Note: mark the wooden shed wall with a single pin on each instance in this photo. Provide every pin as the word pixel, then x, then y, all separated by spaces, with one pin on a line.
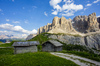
pixel 58 48
pixel 50 47
pixel 18 50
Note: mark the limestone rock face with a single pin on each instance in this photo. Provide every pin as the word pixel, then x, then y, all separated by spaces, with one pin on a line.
pixel 44 28
pixel 55 21
pixel 86 24
pixel 59 25
pixel 80 24
pixel 91 41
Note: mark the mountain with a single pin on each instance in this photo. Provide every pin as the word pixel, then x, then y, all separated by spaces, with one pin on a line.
pixel 30 36
pixel 80 24
pixel 7 36
pixel 86 24
pixel 59 25
pixel 82 30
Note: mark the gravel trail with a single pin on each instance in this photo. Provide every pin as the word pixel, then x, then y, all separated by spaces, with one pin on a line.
pixel 77 59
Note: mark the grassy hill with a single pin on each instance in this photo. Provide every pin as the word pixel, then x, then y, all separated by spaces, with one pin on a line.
pixel 41 37
pixel 7 58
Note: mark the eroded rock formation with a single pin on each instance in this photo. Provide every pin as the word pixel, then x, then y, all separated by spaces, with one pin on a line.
pixel 82 24
pixel 59 25
pixel 86 24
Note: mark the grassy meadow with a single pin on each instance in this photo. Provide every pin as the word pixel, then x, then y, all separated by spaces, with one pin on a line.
pixel 7 58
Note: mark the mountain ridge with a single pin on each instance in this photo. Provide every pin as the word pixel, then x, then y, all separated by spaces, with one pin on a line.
pixel 84 24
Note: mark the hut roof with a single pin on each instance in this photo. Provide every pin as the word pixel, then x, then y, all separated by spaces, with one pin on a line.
pixel 55 43
pixel 28 43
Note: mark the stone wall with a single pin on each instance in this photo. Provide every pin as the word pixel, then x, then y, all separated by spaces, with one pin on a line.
pixel 23 49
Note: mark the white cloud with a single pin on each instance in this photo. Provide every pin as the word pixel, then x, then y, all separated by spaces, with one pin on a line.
pixel 16 29
pixel 72 6
pixel 24 35
pixel 7 20
pixel 15 35
pixel 69 6
pixel 54 12
pixel 45 14
pixel 96 1
pixel 54 2
pixel 3 31
pixel 68 14
pixel 98 16
pixel 88 4
pixel 85 9
pixel 58 8
pixel 15 22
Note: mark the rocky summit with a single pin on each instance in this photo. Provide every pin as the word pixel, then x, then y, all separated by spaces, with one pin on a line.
pixel 86 24
pixel 59 25
pixel 80 24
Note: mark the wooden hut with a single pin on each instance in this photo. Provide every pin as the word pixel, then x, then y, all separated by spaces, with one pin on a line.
pixel 52 45
pixel 23 47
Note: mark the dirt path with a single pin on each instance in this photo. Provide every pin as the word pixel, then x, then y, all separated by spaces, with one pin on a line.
pixel 77 59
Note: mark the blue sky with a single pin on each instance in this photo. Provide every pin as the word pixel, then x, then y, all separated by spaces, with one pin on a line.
pixel 24 17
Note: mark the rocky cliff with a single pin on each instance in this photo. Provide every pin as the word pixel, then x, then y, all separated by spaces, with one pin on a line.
pixel 59 25
pixel 86 24
pixel 91 41
pixel 82 24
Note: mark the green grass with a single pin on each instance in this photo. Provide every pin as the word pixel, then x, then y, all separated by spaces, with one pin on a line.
pixel 6 45
pixel 31 59
pixel 6 51
pixel 91 56
pixel 1 42
pixel 43 37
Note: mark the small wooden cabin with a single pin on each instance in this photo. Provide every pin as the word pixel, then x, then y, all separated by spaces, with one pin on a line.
pixel 23 47
pixel 52 45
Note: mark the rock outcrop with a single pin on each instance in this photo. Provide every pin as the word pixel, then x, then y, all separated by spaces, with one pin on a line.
pixel 91 41
pixel 86 24
pixel 82 24
pixel 59 25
